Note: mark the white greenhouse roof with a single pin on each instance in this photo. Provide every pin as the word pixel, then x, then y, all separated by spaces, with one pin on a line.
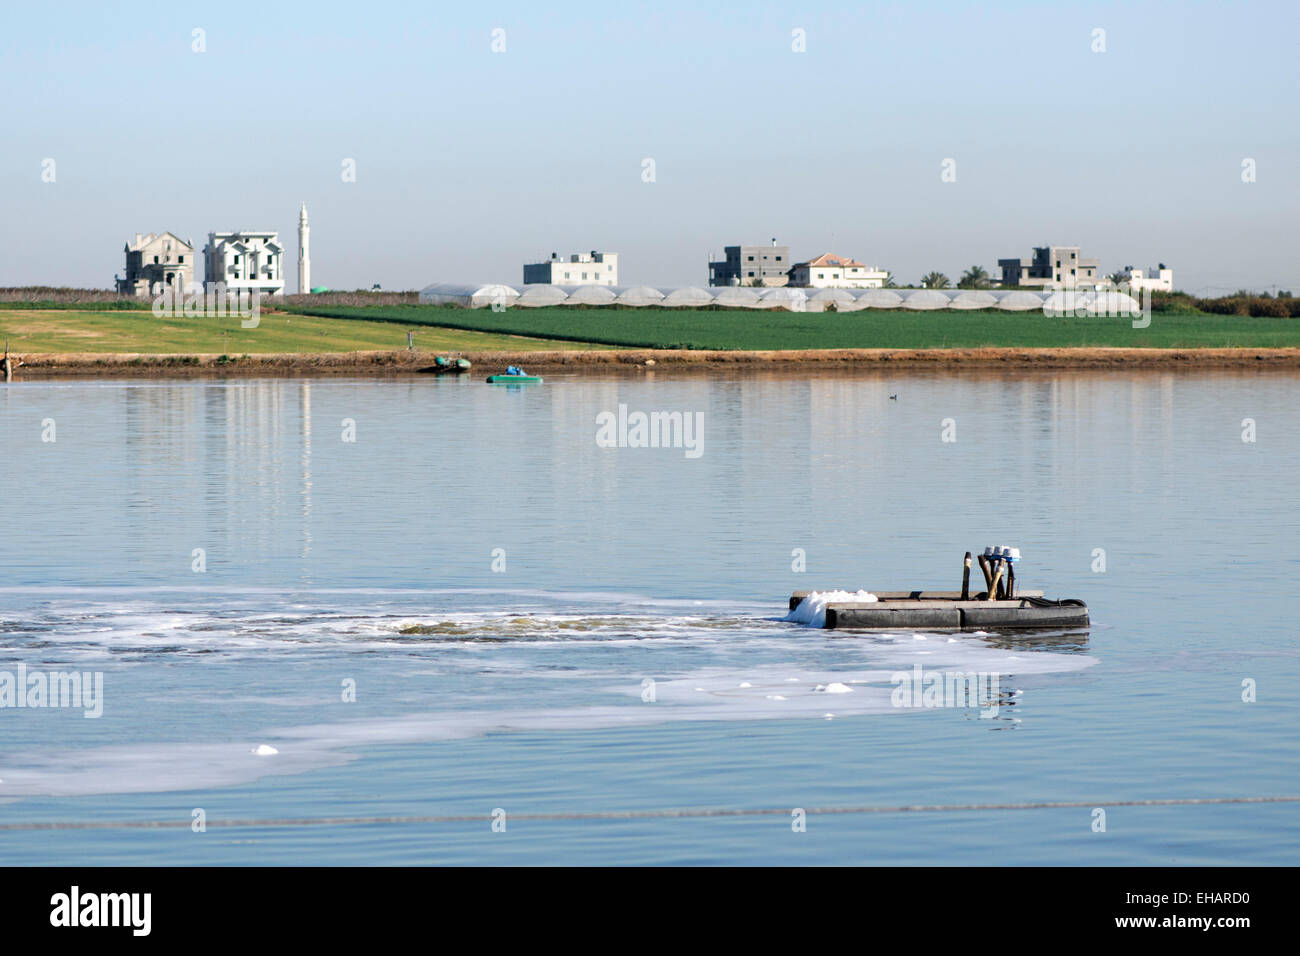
pixel 481 295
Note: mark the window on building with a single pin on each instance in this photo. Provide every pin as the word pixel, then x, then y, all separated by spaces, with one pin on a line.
pixel 155 260
pixel 180 258
pixel 778 258
pixel 751 258
pixel 751 275
pixel 584 275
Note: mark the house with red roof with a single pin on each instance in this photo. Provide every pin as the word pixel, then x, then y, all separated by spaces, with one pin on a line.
pixel 830 271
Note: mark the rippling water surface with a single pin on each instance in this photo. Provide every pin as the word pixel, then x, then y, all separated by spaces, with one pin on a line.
pixel 473 606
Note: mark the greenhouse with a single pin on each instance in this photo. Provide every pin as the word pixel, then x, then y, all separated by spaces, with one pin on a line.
pixel 690 297
pixel 736 297
pixel 588 294
pixel 638 296
pixel 539 295
pixel 843 300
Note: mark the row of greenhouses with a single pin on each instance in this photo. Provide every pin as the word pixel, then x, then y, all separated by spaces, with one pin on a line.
pixel 501 295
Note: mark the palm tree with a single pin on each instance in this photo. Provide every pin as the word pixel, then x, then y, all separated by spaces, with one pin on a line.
pixel 934 280
pixel 976 277
pixel 889 281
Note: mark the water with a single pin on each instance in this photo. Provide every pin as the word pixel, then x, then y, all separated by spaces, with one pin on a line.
pixel 369 564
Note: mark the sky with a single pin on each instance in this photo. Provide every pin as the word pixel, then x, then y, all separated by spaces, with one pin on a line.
pixel 470 161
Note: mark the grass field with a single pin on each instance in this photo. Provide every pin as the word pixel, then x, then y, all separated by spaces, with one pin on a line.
pixel 745 329
pixel 445 329
pixel 65 331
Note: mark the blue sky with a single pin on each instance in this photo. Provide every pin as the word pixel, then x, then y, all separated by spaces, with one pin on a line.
pixel 470 162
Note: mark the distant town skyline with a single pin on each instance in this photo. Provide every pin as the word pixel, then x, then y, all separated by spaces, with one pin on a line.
pixel 450 144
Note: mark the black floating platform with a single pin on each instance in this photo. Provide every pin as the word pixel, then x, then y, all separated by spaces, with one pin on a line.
pixel 945 610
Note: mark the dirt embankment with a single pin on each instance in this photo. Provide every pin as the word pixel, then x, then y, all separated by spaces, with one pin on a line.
pixel 641 360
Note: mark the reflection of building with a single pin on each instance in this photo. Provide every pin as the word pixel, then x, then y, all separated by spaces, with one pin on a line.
pixel 836 272
pixel 245 260
pixel 1050 265
pixel 751 265
pixel 594 268
pixel 1159 279
pixel 154 262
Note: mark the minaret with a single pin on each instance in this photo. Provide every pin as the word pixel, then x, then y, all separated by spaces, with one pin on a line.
pixel 304 257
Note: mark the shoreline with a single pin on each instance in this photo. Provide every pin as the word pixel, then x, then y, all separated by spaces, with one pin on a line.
pixel 633 361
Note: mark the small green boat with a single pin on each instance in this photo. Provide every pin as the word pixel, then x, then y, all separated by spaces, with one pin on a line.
pixel 514 376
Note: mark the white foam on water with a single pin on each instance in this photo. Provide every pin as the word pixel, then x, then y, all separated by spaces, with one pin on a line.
pixel 712 694
pixel 473 663
pixel 811 611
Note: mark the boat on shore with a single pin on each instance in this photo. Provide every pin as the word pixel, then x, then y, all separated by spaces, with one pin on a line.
pixel 443 364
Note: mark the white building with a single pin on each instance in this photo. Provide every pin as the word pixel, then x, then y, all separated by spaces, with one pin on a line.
pixel 156 261
pixel 245 261
pixel 1159 279
pixel 836 272
pixel 582 268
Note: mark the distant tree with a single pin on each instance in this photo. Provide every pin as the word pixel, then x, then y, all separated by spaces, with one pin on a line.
pixel 759 283
pixel 1117 278
pixel 976 277
pixel 934 280
pixel 889 281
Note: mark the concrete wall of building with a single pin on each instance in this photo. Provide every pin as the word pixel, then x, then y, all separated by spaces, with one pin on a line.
pixel 597 268
pixel 154 262
pixel 1051 265
pixel 1157 280
pixel 837 277
pixel 245 260
pixel 744 265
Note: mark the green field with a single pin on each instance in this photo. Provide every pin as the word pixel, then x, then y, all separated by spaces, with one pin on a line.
pixel 745 329
pixel 64 331
pixel 446 329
